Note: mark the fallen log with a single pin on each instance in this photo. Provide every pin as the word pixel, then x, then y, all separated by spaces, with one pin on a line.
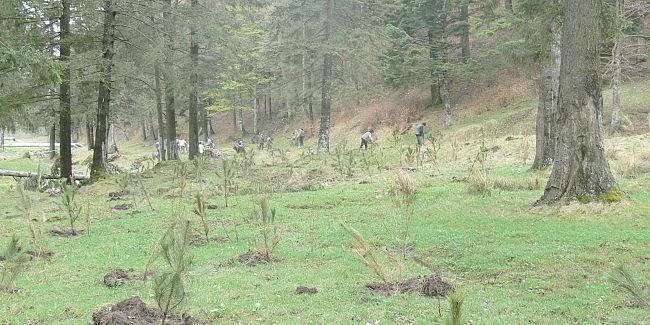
pixel 15 173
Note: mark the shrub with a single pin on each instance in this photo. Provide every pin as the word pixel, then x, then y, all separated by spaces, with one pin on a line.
pixel 478 174
pixel 613 196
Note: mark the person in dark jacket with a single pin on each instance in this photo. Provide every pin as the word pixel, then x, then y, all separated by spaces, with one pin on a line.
pixel 419 133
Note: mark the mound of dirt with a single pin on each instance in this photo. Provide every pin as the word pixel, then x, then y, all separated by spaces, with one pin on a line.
pixel 123 207
pixel 134 311
pixel 118 277
pixel 212 207
pixel 253 258
pixel 114 196
pixel 431 286
pixel 46 255
pixel 65 232
pixel 306 290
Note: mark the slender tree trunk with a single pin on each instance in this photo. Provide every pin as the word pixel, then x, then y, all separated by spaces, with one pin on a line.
pixel 310 97
pixel 580 169
pixel 205 121
pixel 326 99
pixel 170 96
pixel 270 109
pixel 255 109
pixel 508 5
pixel 445 95
pixel 90 138
pixel 2 139
pixel 99 166
pixel 159 112
pixel 194 85
pixel 65 120
pixel 53 140
pixel 547 108
pixel 303 71
pixel 144 130
pixel 464 32
pixel 617 57
pixel 234 119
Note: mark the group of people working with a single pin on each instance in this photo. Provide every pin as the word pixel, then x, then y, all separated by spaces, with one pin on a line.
pixel 265 141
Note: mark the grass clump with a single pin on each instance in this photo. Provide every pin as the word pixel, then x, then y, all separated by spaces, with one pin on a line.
pixel 624 280
pixel 387 271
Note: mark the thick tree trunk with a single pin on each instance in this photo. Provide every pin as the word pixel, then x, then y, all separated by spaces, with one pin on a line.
pixel 445 95
pixel 99 166
pixel 547 108
pixel 580 169
pixel 65 120
pixel 464 32
pixel 194 91
pixel 170 96
pixel 617 57
pixel 326 99
pixel 433 56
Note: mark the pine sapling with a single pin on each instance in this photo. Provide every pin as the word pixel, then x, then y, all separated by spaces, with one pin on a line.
pixel 268 229
pixel 173 247
pixel 70 205
pixel 200 211
pixel 12 263
pixel 227 176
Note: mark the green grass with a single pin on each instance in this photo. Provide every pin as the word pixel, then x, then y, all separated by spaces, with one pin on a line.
pixel 517 264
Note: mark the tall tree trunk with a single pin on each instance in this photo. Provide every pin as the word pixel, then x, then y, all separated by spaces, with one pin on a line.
pixel 53 140
pixel 2 139
pixel 433 56
pixel 580 168
pixel 234 119
pixel 326 99
pixel 170 96
pixel 159 112
pixel 464 32
pixel 194 85
pixel 99 166
pixel 204 121
pixel 90 137
pixel 445 95
pixel 303 70
pixel 255 109
pixel 617 57
pixel 65 120
pixel 270 109
pixel 547 108
pixel 310 97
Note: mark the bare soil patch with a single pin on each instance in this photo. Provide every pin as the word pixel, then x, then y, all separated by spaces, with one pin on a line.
pixel 199 240
pixel 118 277
pixel 306 290
pixel 65 232
pixel 431 286
pixel 134 311
pixel 253 258
pixel 44 254
pixel 115 196
pixel 123 207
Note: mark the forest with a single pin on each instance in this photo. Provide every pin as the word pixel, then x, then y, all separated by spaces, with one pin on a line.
pixel 324 161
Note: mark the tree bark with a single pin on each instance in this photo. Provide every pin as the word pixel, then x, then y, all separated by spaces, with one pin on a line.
pixel 326 99
pixel 99 166
pixel 170 110
pixel 255 109
pixel 90 135
pixel 617 57
pixel 547 108
pixel 53 140
pixel 445 95
pixel 159 112
pixel 580 169
pixel 65 120
pixel 464 32
pixel 433 56
pixel 194 85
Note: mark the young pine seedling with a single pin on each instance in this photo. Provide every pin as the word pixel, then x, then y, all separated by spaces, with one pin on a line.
pixel 11 264
pixel 70 206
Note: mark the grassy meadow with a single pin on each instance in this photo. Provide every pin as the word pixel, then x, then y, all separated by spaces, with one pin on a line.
pixel 472 221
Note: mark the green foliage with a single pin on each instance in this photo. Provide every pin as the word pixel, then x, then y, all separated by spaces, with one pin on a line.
pixel 173 247
pixel 268 228
pixel 613 196
pixel 227 175
pixel 69 204
pixel 200 211
pixel 456 300
pixel 13 262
